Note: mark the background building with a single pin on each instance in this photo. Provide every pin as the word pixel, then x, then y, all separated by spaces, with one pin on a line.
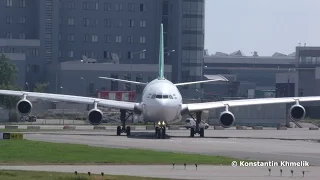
pixel 69 29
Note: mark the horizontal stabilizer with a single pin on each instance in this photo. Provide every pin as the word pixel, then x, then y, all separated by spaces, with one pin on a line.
pixel 122 80
pixel 216 78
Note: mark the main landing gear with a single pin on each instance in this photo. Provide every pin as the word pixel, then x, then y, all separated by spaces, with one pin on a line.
pixel 160 130
pixel 123 118
pixel 197 129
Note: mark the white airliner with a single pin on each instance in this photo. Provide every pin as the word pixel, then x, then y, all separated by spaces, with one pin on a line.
pixel 161 103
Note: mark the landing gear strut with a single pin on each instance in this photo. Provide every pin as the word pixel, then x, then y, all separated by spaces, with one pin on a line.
pixel 123 118
pixel 160 130
pixel 197 129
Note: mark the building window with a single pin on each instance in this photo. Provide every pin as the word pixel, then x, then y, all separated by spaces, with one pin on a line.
pixel 84 5
pixel 97 6
pixel 119 54
pixel 70 54
pixel 9 3
pixel 107 6
pixel 142 55
pixel 34 52
pixel 131 23
pixel 107 38
pixel 59 36
pixel 118 39
pixel 119 7
pixel 139 88
pixel 22 3
pixel 130 39
pixel 22 20
pixel 94 54
pixel 143 23
pixel 119 23
pixel 130 7
pixel 107 23
pixel 143 7
pixel 130 55
pixel 9 35
pixel 86 22
pixel 94 38
pixel 71 21
pixel 106 55
pixel 9 19
pixel 127 86
pixel 71 5
pixel 22 35
pixel 35 68
pixel 91 87
pixel 142 39
pixel 86 37
pixel 71 37
pixel 60 53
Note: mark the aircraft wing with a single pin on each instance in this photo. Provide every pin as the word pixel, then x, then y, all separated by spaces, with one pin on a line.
pixel 75 99
pixel 215 78
pixel 122 80
pixel 193 107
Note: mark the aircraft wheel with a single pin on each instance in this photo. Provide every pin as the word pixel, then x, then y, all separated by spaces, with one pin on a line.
pixel 158 133
pixel 163 133
pixel 191 132
pixel 201 132
pixel 118 130
pixel 128 130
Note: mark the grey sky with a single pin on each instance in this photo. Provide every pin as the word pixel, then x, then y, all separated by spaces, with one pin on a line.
pixel 265 26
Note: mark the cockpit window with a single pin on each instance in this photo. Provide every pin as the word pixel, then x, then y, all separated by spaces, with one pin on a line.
pixel 170 97
pixel 159 96
pixel 165 96
pixel 153 96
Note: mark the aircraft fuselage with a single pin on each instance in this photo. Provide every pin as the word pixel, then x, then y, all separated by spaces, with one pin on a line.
pixel 161 101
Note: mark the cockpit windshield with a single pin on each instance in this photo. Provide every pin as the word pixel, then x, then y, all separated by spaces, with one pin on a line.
pixel 158 96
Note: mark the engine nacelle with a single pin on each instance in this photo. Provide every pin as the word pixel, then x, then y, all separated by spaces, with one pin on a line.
pixel 226 119
pixel 297 112
pixel 24 107
pixel 95 116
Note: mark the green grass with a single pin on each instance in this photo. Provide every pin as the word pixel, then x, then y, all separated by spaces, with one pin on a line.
pixel 35 152
pixel 32 175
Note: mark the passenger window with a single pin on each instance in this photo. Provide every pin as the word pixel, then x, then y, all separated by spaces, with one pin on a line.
pixel 165 96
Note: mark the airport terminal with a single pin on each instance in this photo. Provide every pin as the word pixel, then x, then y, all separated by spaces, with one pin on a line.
pixel 76 46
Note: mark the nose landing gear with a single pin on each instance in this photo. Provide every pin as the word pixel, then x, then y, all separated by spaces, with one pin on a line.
pixel 160 130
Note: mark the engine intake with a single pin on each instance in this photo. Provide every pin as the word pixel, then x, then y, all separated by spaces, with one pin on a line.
pixel 297 112
pixel 95 116
pixel 226 119
pixel 24 107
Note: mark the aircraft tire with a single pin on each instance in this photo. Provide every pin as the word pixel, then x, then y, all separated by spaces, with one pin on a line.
pixel 118 130
pixel 201 132
pixel 128 130
pixel 192 132
pixel 163 133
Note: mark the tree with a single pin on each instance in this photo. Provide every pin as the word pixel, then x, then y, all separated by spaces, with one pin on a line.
pixel 8 75
pixel 40 87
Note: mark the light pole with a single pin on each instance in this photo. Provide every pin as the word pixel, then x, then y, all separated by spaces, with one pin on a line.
pixel 169 52
pixel 84 82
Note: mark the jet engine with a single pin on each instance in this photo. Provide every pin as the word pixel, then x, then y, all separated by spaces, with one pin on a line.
pixel 226 119
pixel 95 116
pixel 297 112
pixel 24 107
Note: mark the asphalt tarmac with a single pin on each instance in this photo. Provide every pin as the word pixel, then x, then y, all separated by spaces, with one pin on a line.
pixel 202 172
pixel 290 145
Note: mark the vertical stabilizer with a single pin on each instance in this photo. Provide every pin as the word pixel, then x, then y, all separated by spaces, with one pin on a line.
pixel 161 55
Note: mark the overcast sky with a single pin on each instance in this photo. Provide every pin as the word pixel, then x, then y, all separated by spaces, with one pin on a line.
pixel 265 26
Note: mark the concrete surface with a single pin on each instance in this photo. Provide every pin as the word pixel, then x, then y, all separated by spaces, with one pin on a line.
pixel 203 172
pixel 216 143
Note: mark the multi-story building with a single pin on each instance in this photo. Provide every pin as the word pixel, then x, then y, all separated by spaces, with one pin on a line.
pixel 70 29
